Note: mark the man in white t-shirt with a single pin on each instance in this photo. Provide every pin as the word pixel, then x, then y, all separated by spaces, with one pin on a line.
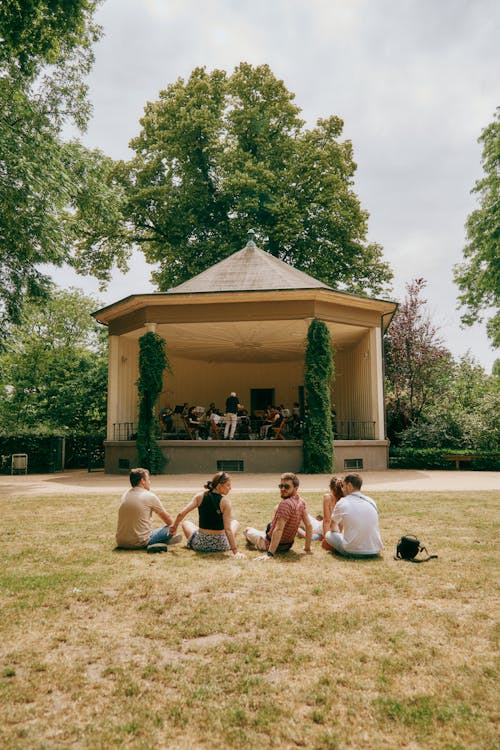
pixel 355 529
pixel 137 505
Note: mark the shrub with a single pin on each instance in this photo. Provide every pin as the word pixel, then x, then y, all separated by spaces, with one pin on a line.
pixel 48 453
pixel 433 458
pixel 318 375
pixel 152 363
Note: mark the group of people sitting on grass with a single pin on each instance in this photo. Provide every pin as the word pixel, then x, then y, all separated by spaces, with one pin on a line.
pixel 348 525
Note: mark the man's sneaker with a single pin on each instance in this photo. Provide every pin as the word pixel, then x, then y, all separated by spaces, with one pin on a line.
pixel 158 547
pixel 174 540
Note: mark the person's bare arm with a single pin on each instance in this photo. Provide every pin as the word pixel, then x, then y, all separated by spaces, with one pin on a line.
pixel 275 540
pixel 327 513
pixel 226 517
pixel 308 527
pixel 277 534
pixel 165 516
pixel 184 512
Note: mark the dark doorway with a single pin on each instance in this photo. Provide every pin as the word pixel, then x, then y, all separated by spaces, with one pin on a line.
pixel 260 399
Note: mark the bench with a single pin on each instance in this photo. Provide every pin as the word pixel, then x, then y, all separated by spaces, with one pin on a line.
pixel 457 457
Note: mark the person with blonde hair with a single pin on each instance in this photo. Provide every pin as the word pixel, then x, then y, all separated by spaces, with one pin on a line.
pixel 321 524
pixel 217 530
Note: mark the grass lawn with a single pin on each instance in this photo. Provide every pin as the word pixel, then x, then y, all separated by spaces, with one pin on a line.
pixel 107 649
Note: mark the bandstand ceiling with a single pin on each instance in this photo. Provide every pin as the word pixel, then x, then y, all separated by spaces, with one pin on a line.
pixel 247 341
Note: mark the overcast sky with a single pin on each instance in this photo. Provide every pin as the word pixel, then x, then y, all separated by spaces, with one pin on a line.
pixel 415 82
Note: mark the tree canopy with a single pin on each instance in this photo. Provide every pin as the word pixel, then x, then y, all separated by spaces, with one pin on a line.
pixel 51 191
pixel 53 371
pixel 478 277
pixel 219 154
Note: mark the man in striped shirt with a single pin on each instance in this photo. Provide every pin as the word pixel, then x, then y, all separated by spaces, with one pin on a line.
pixel 281 532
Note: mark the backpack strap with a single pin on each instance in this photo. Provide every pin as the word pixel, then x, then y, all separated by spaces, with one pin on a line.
pixel 423 559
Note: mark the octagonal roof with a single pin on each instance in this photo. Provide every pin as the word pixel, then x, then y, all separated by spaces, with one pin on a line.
pixel 248 270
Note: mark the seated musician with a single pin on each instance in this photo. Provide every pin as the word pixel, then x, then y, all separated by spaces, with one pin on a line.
pixel 166 417
pixel 195 423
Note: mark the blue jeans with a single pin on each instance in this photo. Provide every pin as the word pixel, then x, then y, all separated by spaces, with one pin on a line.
pixel 160 535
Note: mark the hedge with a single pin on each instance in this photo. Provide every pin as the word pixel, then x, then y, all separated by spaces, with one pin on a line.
pixel 433 458
pixel 45 452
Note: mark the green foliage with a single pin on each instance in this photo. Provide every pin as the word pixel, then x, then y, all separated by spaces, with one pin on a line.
pixel 462 415
pixel 218 154
pixel 53 370
pixel 433 459
pixel 318 375
pixel 478 277
pixel 45 451
pixel 37 32
pixel 433 401
pixel 45 54
pixel 152 363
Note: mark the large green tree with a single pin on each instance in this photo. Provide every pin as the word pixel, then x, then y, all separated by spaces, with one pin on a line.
pixel 218 154
pixel 478 277
pixel 54 196
pixel 53 370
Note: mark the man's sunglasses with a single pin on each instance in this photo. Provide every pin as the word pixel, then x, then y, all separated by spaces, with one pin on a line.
pixel 285 486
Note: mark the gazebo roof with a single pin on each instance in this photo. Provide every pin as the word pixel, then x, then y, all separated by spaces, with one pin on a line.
pixel 247 306
pixel 248 270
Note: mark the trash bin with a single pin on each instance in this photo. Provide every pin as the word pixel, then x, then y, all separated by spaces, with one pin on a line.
pixel 19 463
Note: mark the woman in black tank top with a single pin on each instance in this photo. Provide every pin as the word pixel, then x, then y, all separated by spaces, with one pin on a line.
pixel 216 531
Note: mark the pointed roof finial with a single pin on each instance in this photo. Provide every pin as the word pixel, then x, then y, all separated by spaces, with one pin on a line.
pixel 251 237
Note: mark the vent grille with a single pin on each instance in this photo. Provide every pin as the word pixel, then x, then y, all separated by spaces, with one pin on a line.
pixel 230 466
pixel 353 463
pixel 123 463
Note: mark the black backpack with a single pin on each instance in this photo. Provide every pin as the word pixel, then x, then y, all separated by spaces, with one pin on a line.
pixel 409 547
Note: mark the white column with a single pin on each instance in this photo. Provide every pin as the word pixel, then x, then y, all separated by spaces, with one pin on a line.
pixel 113 379
pixel 377 382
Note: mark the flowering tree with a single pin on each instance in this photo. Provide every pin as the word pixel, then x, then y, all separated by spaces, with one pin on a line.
pixel 416 362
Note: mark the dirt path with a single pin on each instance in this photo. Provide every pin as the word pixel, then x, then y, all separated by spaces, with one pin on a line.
pixel 77 482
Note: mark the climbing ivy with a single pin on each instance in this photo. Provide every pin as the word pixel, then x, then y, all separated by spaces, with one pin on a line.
pixel 153 361
pixel 318 376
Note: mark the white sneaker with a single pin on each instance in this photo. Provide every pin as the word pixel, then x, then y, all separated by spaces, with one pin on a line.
pixel 174 540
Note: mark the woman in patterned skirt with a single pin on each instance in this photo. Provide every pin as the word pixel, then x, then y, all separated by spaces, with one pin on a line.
pixel 216 531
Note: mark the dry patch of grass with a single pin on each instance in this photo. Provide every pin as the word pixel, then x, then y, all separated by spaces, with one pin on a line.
pixel 104 649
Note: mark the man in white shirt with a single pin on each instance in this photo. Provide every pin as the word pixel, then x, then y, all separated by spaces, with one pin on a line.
pixel 134 530
pixel 355 529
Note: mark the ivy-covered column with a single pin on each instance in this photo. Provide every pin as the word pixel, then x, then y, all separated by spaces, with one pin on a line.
pixel 152 363
pixel 318 376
